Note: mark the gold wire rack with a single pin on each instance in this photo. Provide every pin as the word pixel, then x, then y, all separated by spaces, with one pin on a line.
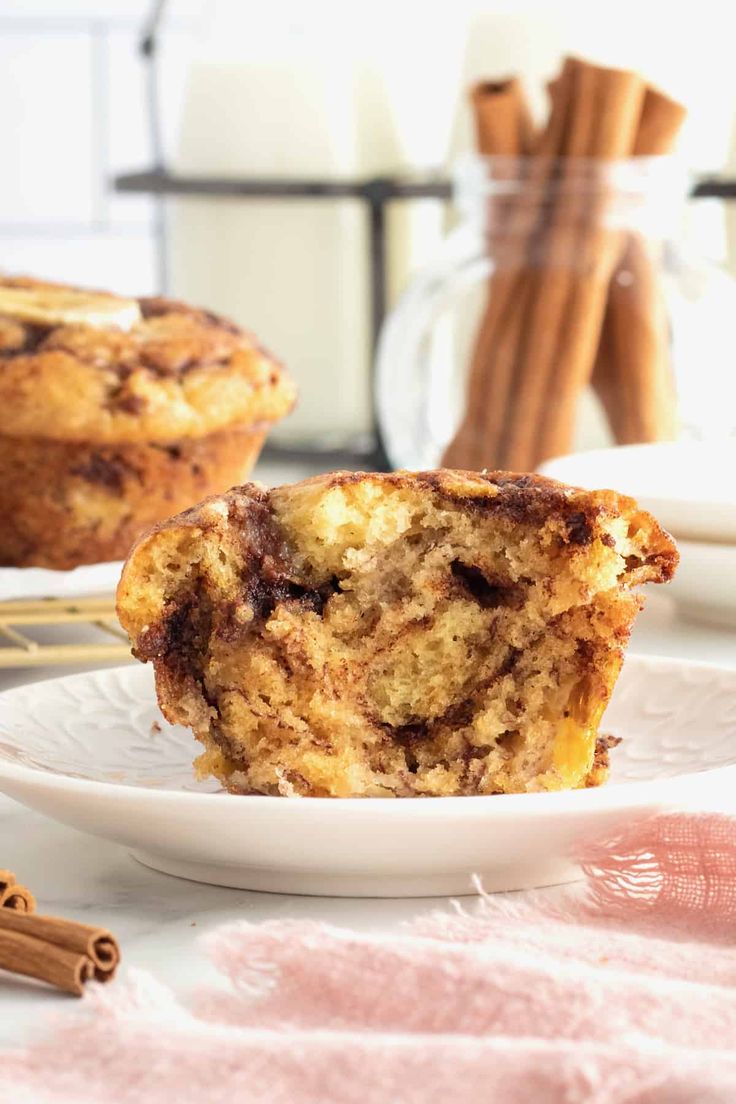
pixel 20 621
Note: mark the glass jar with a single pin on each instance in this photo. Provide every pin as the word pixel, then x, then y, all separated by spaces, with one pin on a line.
pixel 562 313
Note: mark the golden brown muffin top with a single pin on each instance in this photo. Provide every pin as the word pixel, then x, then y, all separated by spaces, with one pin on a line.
pixel 253 516
pixel 521 498
pixel 79 365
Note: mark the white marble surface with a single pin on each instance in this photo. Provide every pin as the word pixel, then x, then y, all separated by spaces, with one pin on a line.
pixel 158 918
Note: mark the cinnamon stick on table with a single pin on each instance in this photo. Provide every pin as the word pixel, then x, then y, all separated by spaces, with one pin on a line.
pixel 570 286
pixel 13 895
pixel 61 952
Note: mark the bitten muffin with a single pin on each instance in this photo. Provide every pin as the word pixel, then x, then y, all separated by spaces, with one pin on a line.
pixel 115 413
pixel 394 635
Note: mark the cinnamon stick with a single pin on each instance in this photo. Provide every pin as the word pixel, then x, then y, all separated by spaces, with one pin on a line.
pixel 96 944
pixel 503 128
pixel 555 254
pixel 503 122
pixel 565 318
pixel 13 895
pixel 529 226
pixel 659 125
pixel 503 332
pixel 632 374
pixel 64 969
pixel 61 952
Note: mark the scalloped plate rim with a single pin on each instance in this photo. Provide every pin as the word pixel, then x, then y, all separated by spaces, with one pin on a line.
pixel 612 794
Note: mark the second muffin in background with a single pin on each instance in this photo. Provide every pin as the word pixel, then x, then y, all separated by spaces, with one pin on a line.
pixel 116 413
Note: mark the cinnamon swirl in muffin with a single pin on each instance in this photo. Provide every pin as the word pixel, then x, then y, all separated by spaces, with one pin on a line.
pixel 409 634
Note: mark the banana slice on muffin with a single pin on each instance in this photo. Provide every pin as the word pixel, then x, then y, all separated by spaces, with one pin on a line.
pixel 54 305
pixel 399 634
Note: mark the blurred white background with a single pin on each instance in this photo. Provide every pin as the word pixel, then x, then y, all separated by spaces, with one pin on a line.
pixel 348 88
pixel 72 114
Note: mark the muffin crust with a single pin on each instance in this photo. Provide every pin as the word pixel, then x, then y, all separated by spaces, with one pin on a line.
pixel 181 372
pixel 105 429
pixel 90 501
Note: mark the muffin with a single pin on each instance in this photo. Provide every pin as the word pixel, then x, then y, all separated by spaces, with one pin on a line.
pixel 426 633
pixel 115 413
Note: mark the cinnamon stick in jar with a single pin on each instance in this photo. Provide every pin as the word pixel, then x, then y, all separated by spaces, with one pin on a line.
pixel 570 286
pixel 530 216
pixel 503 130
pixel 503 122
pixel 633 376
pixel 557 317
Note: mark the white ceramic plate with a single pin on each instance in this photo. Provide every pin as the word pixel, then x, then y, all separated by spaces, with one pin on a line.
pixel 688 486
pixel 704 585
pixel 86 750
pixel 38 582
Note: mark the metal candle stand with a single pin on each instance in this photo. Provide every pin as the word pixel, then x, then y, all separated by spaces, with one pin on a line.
pixel 374 192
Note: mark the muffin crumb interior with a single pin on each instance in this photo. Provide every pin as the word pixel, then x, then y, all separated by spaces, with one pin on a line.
pixel 400 635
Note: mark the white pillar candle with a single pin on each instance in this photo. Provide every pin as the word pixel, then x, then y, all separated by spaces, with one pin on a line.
pixel 325 93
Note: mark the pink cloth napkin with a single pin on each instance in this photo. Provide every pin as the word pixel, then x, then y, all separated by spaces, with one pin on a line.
pixel 623 994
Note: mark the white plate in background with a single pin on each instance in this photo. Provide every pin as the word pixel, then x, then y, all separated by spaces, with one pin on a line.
pixel 39 582
pixel 92 751
pixel 690 487
pixel 704 585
